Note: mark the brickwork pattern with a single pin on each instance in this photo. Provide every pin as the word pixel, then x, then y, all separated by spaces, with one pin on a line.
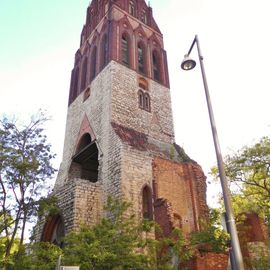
pixel 175 182
pixel 212 261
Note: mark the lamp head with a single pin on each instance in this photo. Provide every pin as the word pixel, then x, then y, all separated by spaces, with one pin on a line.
pixel 188 63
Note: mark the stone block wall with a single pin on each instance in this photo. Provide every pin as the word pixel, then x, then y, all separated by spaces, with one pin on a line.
pixel 86 199
pixel 158 123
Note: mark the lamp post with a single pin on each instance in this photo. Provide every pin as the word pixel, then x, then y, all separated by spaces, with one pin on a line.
pixel 189 64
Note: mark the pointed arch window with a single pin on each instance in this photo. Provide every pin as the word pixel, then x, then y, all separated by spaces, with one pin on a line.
pixel 156 65
pixel 54 231
pixel 141 58
pixel 141 99
pixel 147 102
pixel 144 17
pixel 104 51
pixel 84 73
pixel 144 101
pixel 147 206
pixel 131 8
pixel 93 70
pixel 125 49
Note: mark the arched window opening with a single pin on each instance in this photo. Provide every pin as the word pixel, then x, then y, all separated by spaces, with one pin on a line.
pixel 144 101
pixel 131 8
pixel 147 207
pixel 104 51
pixel 144 17
pixel 54 231
pixel 147 102
pixel 93 70
pixel 141 58
pixel 125 49
pixel 141 99
pixel 86 160
pixel 84 141
pixel 156 66
pixel 84 73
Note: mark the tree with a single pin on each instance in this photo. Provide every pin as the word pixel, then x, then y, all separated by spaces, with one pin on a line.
pixel 248 172
pixel 212 238
pixel 25 167
pixel 119 242
pixel 37 256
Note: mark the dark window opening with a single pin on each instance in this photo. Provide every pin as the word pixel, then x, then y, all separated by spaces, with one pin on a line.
pixel 144 101
pixel 75 84
pixel 104 51
pixel 131 8
pixel 125 49
pixel 84 73
pixel 147 208
pixel 147 102
pixel 141 60
pixel 93 70
pixel 86 160
pixel 141 99
pixel 85 140
pixel 144 17
pixel 156 67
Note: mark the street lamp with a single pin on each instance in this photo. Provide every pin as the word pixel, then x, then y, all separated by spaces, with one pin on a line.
pixel 189 64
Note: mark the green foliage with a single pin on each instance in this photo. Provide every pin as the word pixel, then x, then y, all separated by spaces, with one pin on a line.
pixel 112 244
pixel 25 167
pixel 248 172
pixel 212 238
pixel 262 258
pixel 262 263
pixel 4 260
pixel 37 256
pixel 118 242
pixel 172 249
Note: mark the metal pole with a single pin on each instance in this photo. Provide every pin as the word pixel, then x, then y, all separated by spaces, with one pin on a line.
pixel 224 183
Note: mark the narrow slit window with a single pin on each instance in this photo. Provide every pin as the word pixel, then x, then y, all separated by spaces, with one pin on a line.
pixel 93 63
pixel 141 62
pixel 144 17
pixel 75 83
pixel 141 99
pixel 156 67
pixel 147 102
pixel 104 51
pixel 125 49
pixel 147 210
pixel 131 8
pixel 84 73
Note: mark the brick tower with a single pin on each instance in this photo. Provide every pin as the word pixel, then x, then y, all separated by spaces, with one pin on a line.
pixel 119 132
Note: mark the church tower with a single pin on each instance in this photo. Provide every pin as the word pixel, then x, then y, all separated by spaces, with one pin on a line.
pixel 119 136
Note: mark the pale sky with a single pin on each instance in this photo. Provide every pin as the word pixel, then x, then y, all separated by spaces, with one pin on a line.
pixel 38 40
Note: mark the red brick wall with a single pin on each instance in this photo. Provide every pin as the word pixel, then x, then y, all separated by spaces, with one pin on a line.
pixel 163 214
pixel 178 184
pixel 212 261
